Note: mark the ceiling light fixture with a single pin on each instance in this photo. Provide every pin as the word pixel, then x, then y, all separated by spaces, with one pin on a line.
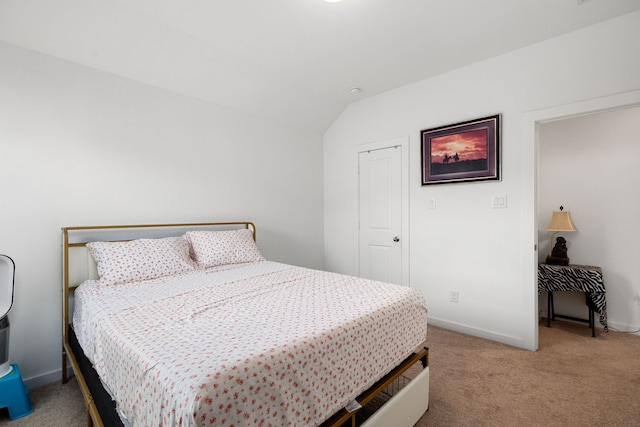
pixel 354 90
pixel 332 1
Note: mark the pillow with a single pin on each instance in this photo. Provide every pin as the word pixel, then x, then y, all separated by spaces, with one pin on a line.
pixel 142 259
pixel 213 248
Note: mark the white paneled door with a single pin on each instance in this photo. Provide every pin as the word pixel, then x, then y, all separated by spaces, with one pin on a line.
pixel 380 214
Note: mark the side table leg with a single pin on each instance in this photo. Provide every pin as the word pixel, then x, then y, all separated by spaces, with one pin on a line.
pixel 592 316
pixel 549 307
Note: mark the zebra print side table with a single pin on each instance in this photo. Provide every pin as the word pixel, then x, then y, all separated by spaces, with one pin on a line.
pixel 582 278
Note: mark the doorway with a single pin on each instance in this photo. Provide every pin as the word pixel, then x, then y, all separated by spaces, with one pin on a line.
pixel 588 164
pixel 529 173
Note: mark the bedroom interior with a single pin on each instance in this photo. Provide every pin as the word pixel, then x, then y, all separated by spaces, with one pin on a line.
pixel 131 113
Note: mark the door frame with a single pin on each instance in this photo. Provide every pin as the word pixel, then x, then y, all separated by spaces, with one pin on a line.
pixel 530 123
pixel 403 143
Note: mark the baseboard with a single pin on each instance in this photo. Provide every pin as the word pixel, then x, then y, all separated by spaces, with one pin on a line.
pixel 478 332
pixel 45 379
pixel 623 327
pixel 613 326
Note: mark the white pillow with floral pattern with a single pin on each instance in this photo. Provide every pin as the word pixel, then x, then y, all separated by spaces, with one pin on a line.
pixel 213 248
pixel 141 259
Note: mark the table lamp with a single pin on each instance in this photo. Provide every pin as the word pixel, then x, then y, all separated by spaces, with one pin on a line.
pixel 560 221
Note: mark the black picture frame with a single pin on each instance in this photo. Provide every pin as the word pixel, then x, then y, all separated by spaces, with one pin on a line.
pixel 462 152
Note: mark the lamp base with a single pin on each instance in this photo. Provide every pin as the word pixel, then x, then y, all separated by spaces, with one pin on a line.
pixel 554 260
pixel 558 255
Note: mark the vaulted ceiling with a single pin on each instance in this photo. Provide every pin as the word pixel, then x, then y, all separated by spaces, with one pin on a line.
pixel 292 61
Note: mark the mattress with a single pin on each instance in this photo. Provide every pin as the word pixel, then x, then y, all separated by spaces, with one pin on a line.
pixel 259 343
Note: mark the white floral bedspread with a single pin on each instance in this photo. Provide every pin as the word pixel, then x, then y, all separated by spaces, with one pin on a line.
pixel 255 344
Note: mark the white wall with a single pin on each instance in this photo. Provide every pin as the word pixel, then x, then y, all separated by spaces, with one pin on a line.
pixel 486 254
pixel 82 147
pixel 589 164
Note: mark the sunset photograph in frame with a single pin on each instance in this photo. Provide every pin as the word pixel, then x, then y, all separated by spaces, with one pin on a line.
pixel 462 152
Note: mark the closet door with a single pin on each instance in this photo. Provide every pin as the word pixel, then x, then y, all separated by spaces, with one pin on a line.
pixel 380 214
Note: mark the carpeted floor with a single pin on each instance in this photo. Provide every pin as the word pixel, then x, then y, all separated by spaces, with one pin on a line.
pixel 573 380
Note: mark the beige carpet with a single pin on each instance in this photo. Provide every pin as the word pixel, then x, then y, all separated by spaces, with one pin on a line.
pixel 573 380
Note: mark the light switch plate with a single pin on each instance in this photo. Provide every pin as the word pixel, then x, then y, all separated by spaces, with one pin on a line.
pixel 499 201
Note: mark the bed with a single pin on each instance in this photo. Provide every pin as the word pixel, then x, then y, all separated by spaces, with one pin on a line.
pixel 188 324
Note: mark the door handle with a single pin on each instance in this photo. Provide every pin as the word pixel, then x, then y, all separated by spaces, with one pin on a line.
pixel 396 239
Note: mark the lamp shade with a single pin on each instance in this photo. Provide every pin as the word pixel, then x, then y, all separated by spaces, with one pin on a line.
pixel 561 221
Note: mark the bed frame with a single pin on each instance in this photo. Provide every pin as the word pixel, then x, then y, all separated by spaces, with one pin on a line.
pixel 405 401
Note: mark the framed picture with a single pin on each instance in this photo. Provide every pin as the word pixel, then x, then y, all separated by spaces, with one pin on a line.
pixel 462 152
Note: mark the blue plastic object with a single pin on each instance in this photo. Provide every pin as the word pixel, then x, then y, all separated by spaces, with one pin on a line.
pixel 14 395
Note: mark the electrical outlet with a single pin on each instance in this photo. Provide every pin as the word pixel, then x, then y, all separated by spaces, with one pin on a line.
pixel 638 298
pixel 453 296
